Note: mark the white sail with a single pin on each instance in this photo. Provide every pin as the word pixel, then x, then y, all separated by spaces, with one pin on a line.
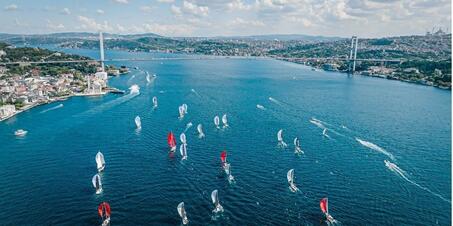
pixel 97 183
pixel 200 131
pixel 225 120
pixel 215 197
pixel 181 111
pixel 183 151
pixel 216 121
pixel 290 176
pixel 279 135
pixel 138 122
pixel 155 102
pixel 296 142
pixel 182 213
pixel 100 162
pixel 182 137
pixel 215 200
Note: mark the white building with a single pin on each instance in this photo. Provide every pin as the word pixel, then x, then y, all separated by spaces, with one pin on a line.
pixel 7 110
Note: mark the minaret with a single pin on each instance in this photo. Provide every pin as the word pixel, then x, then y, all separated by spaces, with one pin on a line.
pixel 101 48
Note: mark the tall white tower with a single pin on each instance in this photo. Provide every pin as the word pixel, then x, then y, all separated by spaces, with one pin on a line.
pixel 101 49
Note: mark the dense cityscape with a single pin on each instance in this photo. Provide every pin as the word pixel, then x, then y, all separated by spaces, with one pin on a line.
pixel 25 86
pixel 423 60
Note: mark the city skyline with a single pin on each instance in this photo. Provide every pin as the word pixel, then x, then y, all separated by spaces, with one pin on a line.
pixel 369 18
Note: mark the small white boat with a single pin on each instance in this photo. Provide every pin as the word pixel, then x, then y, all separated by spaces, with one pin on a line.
pixel 138 122
pixel 200 131
pixel 134 89
pixel 290 177
pixel 217 121
pixel 100 162
pixel 182 213
pixel 215 200
pixel 183 151
pixel 97 183
pixel 225 120
pixel 20 132
pixel 155 102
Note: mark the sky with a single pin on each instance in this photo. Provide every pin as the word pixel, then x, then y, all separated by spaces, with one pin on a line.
pixel 343 18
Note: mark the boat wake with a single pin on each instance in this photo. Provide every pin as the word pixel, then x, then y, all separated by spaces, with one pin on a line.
pixel 133 93
pixel 188 126
pixel 261 107
pixel 52 108
pixel 195 92
pixel 275 101
pixel 318 123
pixel 375 147
pixel 401 173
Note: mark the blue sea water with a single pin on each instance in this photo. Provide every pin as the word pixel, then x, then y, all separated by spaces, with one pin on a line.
pixel 45 177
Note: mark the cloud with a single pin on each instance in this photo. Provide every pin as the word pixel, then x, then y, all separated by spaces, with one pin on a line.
pixel 100 11
pixel 146 9
pixel 175 10
pixel 65 11
pixel 121 1
pixel 238 5
pixel 91 24
pixel 165 1
pixel 239 22
pixel 54 26
pixel 190 8
pixel 11 7
pixel 120 28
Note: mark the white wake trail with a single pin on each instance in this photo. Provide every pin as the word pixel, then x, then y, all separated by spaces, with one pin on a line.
pixel 375 147
pixel 398 171
pixel 52 108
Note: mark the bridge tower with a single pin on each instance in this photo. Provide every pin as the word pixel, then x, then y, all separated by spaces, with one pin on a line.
pixel 101 49
pixel 353 54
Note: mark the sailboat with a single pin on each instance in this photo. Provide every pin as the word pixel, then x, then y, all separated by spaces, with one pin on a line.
pixel 226 166
pixel 181 112
pixel 184 106
pixel 148 78
pixel 182 137
pixel 182 213
pixel 324 205
pixel 97 183
pixel 217 121
pixel 215 200
pixel 154 102
pixel 138 122
pixel 297 148
pixel 171 141
pixel 225 121
pixel 183 151
pixel 104 212
pixel 200 131
pixel 280 138
pixel 290 177
pixel 100 162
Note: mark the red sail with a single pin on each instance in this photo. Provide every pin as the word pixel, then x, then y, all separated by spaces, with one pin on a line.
pixel 104 209
pixel 323 205
pixel 223 156
pixel 171 140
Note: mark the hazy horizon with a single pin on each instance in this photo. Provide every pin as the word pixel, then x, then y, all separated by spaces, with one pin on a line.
pixel 203 18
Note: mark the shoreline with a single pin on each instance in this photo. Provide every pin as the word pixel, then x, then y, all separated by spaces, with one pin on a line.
pixel 382 76
pixel 62 98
